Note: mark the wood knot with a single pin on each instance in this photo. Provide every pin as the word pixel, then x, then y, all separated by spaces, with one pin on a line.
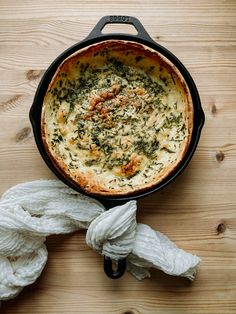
pixel 10 104
pixel 23 134
pixel 128 312
pixel 213 109
pixel 221 228
pixel 33 74
pixel 220 156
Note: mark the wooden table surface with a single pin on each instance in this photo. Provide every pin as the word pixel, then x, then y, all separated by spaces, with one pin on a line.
pixel 197 210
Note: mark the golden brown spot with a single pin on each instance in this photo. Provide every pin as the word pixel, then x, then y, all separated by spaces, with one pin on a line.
pixel 72 141
pixel 23 134
pixel 87 116
pixel 131 168
pixel 104 112
pixel 221 228
pixel 33 74
pixel 220 156
pixel 122 100
pixel 10 104
pixel 140 91
pixel 94 151
pixel 96 101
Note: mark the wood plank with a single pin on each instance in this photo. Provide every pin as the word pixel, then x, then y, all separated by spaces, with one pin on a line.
pixel 197 210
pixel 66 31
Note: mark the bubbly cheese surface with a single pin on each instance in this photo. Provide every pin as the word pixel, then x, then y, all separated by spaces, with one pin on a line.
pixel 116 119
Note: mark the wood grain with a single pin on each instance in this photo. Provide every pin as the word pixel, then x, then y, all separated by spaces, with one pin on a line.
pixel 197 210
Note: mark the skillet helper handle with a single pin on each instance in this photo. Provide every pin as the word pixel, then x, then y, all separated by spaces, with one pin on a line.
pixel 119 19
pixel 108 264
pixel 114 273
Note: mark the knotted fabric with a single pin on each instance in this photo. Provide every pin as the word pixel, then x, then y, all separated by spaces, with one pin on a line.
pixel 30 212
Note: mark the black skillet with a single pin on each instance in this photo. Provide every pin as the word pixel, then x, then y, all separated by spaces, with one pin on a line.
pixel 97 36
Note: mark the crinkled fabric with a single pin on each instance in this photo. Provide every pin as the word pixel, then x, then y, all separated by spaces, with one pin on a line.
pixel 30 212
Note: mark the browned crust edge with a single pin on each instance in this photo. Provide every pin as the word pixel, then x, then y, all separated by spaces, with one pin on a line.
pixel 82 180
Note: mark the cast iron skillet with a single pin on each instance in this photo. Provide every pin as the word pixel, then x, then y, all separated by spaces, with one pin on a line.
pixel 97 36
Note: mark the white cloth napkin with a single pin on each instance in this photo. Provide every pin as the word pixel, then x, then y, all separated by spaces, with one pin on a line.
pixel 29 212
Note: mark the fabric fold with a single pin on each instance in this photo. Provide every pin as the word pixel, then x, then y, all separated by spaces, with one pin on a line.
pixel 29 212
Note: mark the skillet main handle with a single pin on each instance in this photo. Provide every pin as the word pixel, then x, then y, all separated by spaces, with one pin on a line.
pixel 119 19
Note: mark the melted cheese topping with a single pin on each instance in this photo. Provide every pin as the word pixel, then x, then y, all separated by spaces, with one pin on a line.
pixel 116 118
